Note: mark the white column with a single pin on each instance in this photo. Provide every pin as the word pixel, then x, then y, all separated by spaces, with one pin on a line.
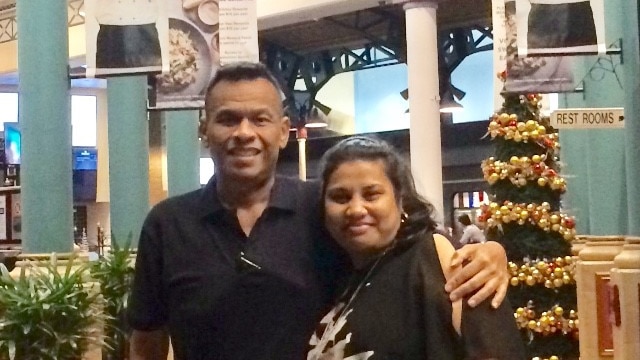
pixel 424 101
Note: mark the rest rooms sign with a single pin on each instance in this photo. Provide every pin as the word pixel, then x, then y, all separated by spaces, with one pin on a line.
pixel 605 118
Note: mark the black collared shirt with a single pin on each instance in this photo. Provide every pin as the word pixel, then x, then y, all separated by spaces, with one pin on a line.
pixel 225 295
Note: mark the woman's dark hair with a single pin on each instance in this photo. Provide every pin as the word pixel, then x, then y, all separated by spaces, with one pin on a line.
pixel 464 219
pixel 355 148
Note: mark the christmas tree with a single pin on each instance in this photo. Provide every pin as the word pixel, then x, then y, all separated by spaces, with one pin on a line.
pixel 525 217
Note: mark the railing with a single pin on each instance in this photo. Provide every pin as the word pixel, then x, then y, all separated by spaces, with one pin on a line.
pixel 9 23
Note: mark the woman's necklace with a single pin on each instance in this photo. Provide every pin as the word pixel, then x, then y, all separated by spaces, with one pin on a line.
pixel 340 320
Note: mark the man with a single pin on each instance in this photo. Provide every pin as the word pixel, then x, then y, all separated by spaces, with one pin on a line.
pixel 242 269
pixel 471 234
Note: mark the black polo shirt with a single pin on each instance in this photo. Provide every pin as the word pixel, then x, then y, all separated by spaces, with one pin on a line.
pixel 225 295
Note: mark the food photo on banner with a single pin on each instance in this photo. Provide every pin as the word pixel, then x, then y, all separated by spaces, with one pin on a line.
pixel 539 74
pixel 560 27
pixel 193 44
pixel 126 37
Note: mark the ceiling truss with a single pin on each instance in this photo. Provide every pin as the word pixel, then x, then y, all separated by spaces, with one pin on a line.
pixel 384 44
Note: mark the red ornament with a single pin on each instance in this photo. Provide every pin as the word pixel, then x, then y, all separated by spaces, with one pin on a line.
pixel 551 173
pixel 531 97
pixel 537 168
pixel 569 223
pixel 513 123
pixel 535 215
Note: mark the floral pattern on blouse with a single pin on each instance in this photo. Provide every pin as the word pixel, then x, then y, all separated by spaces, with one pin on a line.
pixel 330 343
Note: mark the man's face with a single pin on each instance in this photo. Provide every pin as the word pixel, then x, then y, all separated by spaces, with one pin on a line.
pixel 245 129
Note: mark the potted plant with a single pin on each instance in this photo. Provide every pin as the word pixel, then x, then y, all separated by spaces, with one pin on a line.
pixel 48 312
pixel 114 273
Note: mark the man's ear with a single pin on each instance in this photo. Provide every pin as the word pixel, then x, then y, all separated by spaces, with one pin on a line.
pixel 284 131
pixel 202 131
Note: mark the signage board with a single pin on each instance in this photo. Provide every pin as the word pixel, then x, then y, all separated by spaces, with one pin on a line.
pixel 602 118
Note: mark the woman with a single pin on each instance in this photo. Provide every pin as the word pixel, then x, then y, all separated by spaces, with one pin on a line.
pixel 394 306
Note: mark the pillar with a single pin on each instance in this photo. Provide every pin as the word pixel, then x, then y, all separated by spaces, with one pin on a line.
pixel 424 101
pixel 44 116
pixel 183 151
pixel 625 278
pixel 592 282
pixel 128 135
pixel 631 96
pixel 602 164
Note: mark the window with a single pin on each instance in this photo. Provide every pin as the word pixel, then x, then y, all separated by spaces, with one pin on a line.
pixel 8 108
pixel 206 170
pixel 83 120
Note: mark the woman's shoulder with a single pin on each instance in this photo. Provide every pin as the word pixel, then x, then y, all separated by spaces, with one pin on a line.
pixel 429 243
pixel 421 252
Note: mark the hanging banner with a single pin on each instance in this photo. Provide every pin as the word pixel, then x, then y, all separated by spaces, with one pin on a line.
pixel 498 18
pixel 193 43
pixel 125 37
pixel 560 27
pixel 546 74
pixel 238 31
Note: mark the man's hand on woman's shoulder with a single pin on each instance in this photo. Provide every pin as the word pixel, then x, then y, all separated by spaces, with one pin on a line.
pixel 484 272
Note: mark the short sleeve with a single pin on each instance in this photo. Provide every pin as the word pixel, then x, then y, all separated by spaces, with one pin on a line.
pixel 147 305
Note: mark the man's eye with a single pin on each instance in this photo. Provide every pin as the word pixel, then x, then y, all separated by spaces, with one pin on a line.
pixel 226 120
pixel 263 119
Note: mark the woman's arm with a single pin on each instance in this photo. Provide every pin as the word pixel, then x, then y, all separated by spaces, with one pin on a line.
pixel 487 333
pixel 445 254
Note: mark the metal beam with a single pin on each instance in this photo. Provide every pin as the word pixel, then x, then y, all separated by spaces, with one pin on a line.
pixel 315 69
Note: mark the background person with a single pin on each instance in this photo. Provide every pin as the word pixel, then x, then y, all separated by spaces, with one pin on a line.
pixel 471 234
pixel 243 269
pixel 393 306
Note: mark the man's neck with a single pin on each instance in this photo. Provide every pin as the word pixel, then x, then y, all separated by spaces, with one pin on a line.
pixel 236 194
pixel 248 199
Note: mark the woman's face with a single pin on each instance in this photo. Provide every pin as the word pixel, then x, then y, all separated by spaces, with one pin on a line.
pixel 361 210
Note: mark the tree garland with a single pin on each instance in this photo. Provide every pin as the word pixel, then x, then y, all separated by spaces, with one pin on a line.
pixel 521 170
pixel 553 274
pixel 549 322
pixel 541 215
pixel 507 126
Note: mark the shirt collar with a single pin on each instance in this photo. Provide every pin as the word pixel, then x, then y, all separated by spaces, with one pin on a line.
pixel 284 196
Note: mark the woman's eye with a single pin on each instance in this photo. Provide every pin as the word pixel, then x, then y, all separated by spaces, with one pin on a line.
pixel 339 198
pixel 371 196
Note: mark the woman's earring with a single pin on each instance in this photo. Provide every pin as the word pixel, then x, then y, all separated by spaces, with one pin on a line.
pixel 404 217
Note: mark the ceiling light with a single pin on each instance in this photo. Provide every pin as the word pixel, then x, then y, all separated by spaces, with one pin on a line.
pixel 448 104
pixel 316 119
